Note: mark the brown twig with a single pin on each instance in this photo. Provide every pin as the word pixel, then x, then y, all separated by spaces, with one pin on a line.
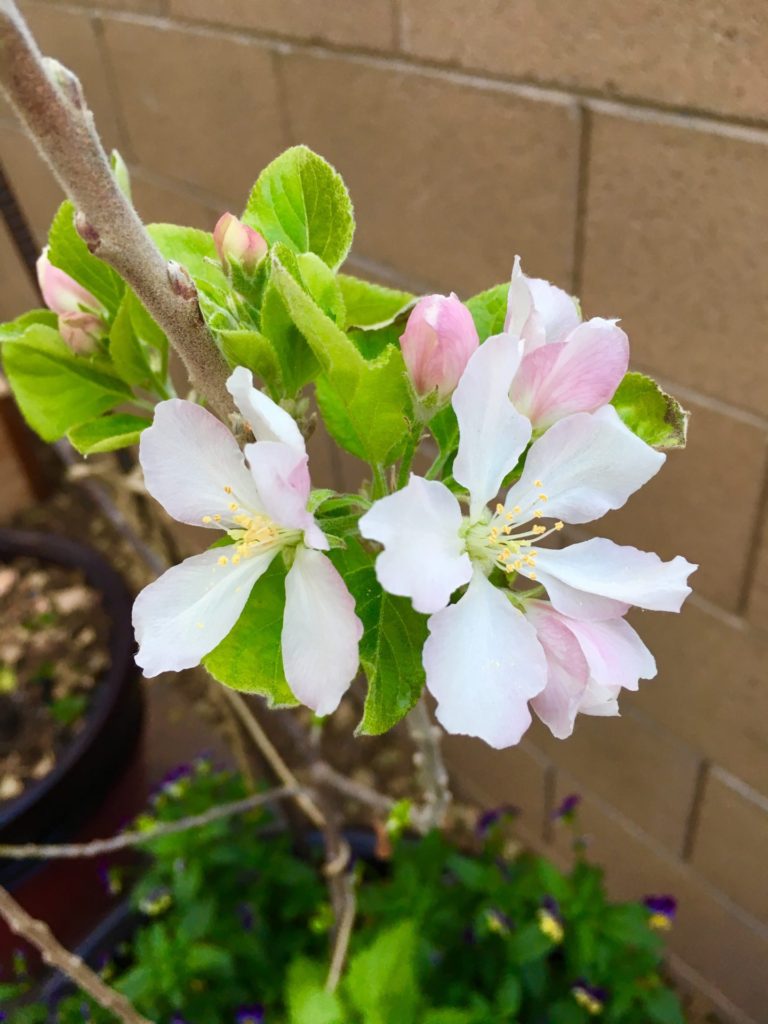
pixel 39 935
pixel 344 929
pixel 429 761
pixel 49 101
pixel 323 772
pixel 98 847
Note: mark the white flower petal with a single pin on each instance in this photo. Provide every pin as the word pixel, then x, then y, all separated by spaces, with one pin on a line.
pixel 616 655
pixel 189 458
pixel 423 556
pixel 598 579
pixel 266 419
pixel 483 665
pixel 321 632
pixel 586 465
pixel 519 302
pixel 600 701
pixel 281 475
pixel 492 433
pixel 567 671
pixel 556 310
pixel 191 608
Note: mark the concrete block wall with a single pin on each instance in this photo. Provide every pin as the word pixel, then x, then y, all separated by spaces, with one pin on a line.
pixel 622 150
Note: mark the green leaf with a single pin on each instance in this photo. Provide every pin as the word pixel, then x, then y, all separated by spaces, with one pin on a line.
pixel 108 433
pixel 372 305
pixel 250 657
pixel 13 329
pixel 126 351
pixel 209 959
pixel 662 1006
pixel 322 284
pixel 365 404
pixel 121 174
pixel 381 980
pixel 651 413
pixel 297 360
pixel 56 390
pixel 489 310
pixel 67 250
pixel 300 200
pixel 191 248
pixel 254 351
pixel 308 1002
pixel 448 1016
pixel 390 650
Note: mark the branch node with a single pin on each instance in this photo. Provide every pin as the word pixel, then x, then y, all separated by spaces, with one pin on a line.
pixel 87 232
pixel 181 282
pixel 66 82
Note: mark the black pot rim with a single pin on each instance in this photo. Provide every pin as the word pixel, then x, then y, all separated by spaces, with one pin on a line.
pixel 117 604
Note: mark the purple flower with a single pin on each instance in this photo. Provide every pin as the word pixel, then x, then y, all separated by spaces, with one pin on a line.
pixel 590 997
pixel 550 920
pixel 662 910
pixel 250 1014
pixel 567 808
pixel 491 817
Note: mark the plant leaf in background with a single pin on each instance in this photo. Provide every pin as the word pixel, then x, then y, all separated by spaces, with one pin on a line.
pixel 651 413
pixel 308 1002
pixel 372 305
pixel 68 251
pixel 390 651
pixel 55 389
pixel 381 980
pixel 250 657
pixel 300 200
pixel 489 309
pixel 138 348
pixel 108 433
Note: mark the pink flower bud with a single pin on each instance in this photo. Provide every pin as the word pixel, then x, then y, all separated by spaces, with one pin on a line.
pixel 237 242
pixel 81 331
pixel 438 340
pixel 61 293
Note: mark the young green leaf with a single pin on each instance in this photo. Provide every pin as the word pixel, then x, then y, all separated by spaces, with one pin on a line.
pixel 250 658
pixel 55 389
pixel 13 329
pixel 108 433
pixel 322 284
pixel 370 305
pixel 488 309
pixel 390 651
pixel 300 200
pixel 255 352
pixel 68 251
pixel 651 413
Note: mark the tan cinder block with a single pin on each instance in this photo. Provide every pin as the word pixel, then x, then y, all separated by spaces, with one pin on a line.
pixel 449 181
pixel 494 778
pixel 710 54
pixel 17 293
pixel 36 190
pixel 677 218
pixel 633 764
pixel 69 36
pixel 140 6
pixel 200 109
pixel 723 944
pixel 167 203
pixel 344 22
pixel 731 842
pixel 710 690
pixel 704 504
pixel 757 607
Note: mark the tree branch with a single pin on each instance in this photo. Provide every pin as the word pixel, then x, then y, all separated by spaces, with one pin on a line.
pixel 39 935
pixel 429 761
pixel 50 103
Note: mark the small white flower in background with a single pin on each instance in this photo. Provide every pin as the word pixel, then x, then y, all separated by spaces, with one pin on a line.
pixel 483 659
pixel 193 466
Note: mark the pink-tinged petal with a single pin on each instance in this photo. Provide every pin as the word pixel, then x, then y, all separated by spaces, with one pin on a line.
pixel 585 465
pixel 483 664
pixel 193 466
pixel 281 475
pixel 567 671
pixel 423 556
pixel 577 375
pixel 492 433
pixel 185 613
pixel 321 632
pixel 616 655
pixel 538 312
pixel 598 579
pixel 266 419
pixel 61 293
pixel 439 338
pixel 238 242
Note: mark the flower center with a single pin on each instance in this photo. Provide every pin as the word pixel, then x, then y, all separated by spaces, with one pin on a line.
pixel 252 532
pixel 498 540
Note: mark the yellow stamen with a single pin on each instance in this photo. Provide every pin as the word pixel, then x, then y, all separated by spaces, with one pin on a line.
pixel 207 519
pixel 559 525
pixel 223 560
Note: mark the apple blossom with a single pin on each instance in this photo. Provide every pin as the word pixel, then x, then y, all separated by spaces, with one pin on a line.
pixel 193 466
pixel 483 659
pixel 438 341
pixel 238 242
pixel 81 331
pixel 567 366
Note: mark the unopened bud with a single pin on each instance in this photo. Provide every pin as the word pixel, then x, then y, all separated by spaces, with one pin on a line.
pixel 62 293
pixel 437 343
pixel 181 282
pixel 87 232
pixel 237 242
pixel 66 81
pixel 81 331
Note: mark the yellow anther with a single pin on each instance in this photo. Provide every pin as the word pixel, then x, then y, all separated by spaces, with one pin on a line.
pixel 506 530
pixel 538 530
pixel 538 514
pixel 543 497
pixel 228 489
pixel 223 560
pixel 217 518
pixel 504 555
pixel 509 517
pixel 233 506
pixel 537 483
pixel 499 509
pixel 559 525
pixel 532 576
pixel 236 558
pixel 494 533
pixel 517 565
pixel 207 519
pixel 516 510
